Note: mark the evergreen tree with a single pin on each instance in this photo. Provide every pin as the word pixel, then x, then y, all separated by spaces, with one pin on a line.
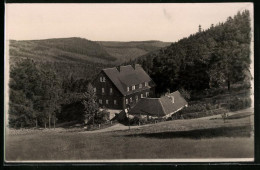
pixel 90 104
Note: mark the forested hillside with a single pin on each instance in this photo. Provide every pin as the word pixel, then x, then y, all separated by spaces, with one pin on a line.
pixel 78 57
pixel 212 58
pixel 81 50
pixel 125 51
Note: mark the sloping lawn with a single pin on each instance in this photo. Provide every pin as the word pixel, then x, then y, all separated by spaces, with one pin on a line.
pixel 196 138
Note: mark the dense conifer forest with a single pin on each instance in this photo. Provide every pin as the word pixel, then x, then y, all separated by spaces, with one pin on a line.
pixel 212 58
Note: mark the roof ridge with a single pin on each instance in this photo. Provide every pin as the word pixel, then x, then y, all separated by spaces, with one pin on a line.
pixel 151 98
pixel 162 106
pixel 109 68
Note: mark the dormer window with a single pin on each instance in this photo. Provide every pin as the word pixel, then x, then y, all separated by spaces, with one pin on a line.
pixel 140 86
pixel 146 83
pixel 111 90
pixel 128 89
pixel 133 87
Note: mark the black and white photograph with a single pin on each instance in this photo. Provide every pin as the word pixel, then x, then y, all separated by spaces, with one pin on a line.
pixel 129 82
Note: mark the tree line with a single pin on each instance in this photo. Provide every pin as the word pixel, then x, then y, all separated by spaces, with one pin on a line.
pixel 39 96
pixel 212 58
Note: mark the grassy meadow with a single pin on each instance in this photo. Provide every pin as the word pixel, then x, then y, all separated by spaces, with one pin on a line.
pixel 177 139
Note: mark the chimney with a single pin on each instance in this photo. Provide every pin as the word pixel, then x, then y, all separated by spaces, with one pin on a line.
pixel 172 99
pixel 136 66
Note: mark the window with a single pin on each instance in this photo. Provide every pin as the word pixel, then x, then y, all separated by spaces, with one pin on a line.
pixel 115 102
pixel 140 86
pixel 146 84
pixel 127 88
pixel 102 79
pixel 106 101
pixel 94 89
pixel 130 99
pixel 136 98
pixel 147 94
pixel 126 101
pixel 103 90
pixel 142 95
pixel 111 90
pixel 100 101
pixel 133 87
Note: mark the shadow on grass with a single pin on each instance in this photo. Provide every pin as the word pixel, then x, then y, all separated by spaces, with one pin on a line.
pixel 240 131
pixel 240 115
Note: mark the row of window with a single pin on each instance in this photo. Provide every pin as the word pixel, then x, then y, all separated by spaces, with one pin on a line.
pixel 102 79
pixel 111 90
pixel 103 90
pixel 107 101
pixel 140 86
pixel 126 100
pixel 136 98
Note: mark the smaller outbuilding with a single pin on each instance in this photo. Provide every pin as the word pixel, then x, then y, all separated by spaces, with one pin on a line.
pixel 162 107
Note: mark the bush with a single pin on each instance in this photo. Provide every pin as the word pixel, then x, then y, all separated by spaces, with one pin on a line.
pixel 185 94
pixel 100 118
pixel 194 108
pixel 240 103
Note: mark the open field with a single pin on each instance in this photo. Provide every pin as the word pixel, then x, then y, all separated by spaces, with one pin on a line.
pixel 193 138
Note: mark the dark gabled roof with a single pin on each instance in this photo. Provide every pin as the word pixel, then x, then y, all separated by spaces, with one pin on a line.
pixel 127 76
pixel 148 106
pixel 159 107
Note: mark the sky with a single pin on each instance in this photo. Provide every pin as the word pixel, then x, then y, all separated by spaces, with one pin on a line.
pixel 115 22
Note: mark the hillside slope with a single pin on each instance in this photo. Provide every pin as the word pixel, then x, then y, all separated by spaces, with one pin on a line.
pixel 125 51
pixel 60 50
pixel 79 57
pixel 212 58
pixel 81 50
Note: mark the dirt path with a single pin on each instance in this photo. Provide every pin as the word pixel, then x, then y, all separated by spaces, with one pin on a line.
pixel 229 114
pixel 116 127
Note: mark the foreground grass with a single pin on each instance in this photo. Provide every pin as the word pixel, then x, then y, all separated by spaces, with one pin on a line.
pixel 174 139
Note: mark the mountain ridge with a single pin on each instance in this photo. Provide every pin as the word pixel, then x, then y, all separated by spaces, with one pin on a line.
pixel 76 49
